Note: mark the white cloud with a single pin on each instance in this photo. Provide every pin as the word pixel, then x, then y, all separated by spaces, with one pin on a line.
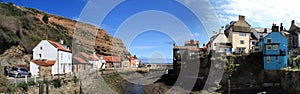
pixel 75 18
pixel 196 34
pixel 259 13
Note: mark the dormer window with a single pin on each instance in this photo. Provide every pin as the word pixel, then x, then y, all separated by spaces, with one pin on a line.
pixel 269 40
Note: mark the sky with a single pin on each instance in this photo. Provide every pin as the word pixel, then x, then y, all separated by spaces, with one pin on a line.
pixel 150 27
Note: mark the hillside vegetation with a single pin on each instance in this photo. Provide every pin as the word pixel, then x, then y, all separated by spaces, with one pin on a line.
pixel 21 29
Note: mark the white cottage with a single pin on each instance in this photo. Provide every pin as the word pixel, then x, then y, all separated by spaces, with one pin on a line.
pixel 56 56
pixel 97 62
pixel 219 43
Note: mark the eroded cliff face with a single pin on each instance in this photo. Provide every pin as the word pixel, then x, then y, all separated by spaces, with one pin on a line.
pixel 26 27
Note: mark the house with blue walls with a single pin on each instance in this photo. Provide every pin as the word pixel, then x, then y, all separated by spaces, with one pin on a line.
pixel 275 50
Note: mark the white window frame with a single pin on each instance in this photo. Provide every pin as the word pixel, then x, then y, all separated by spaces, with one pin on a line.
pixel 270 40
pixel 267 47
pixel 275 47
pixel 242 42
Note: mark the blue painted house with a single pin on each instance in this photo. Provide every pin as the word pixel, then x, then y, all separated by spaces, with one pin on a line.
pixel 275 50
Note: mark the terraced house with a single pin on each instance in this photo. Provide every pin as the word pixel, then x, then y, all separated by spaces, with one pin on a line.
pixel 51 58
pixel 275 50
pixel 238 34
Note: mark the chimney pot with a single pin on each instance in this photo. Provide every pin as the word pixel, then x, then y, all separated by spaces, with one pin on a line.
pixel 241 17
pixel 265 31
pixel 61 41
pixel 275 28
pixel 221 30
pixel 281 27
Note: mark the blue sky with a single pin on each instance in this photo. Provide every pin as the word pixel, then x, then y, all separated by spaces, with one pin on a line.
pixel 150 27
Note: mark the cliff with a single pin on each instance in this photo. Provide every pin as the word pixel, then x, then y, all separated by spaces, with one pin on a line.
pixel 21 29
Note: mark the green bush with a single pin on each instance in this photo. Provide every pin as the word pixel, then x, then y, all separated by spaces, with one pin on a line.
pixel 56 83
pixel 45 19
pixel 11 88
pixel 75 79
pixel 3 84
pixel 23 85
pixel 31 83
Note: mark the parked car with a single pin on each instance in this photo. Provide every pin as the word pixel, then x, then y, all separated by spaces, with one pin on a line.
pixel 19 72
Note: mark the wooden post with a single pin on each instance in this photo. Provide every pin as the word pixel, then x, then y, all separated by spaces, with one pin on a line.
pixel 35 79
pixel 47 87
pixel 41 88
pixel 25 78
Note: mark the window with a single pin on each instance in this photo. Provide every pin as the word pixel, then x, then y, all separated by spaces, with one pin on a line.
pixel 61 56
pixel 241 42
pixel 215 44
pixel 40 55
pixel 256 49
pixel 268 47
pixel 275 47
pixel 242 34
pixel 269 40
pixel 241 50
pixel 41 48
pixel 276 58
pixel 268 59
pixel 295 53
pixel 253 43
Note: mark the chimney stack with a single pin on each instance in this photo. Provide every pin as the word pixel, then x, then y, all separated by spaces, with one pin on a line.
pixel 265 31
pixel 275 28
pixel 221 30
pixel 61 42
pixel 214 33
pixel 281 27
pixel 293 22
pixel 241 17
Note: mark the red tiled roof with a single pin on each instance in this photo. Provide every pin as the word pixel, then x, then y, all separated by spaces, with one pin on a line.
pixel 114 59
pixel 44 62
pixel 80 60
pixel 86 56
pixel 59 46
